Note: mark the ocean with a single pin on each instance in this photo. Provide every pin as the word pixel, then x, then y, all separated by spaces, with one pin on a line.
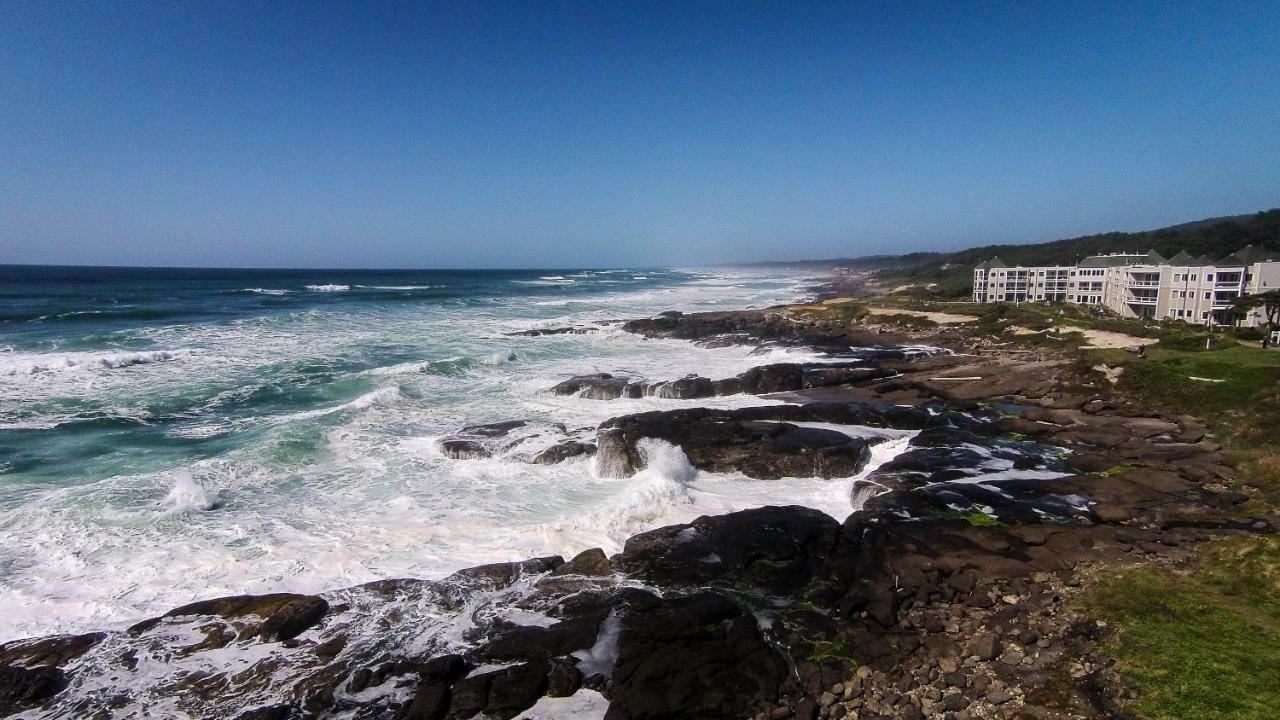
pixel 168 435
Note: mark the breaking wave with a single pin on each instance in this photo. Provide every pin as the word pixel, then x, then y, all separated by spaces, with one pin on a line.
pixel 36 364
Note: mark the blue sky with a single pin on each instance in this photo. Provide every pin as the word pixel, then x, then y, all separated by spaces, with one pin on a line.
pixel 583 134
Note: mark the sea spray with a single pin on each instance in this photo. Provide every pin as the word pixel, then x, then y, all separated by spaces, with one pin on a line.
pixel 324 403
pixel 656 494
pixel 188 494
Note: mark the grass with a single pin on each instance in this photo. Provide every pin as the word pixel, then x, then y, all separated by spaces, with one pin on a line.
pixel 1244 407
pixel 1204 644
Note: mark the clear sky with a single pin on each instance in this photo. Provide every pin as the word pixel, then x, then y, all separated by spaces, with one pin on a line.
pixel 583 134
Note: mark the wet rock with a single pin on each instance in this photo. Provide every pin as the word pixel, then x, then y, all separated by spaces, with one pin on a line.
pixel 772 548
pixel 269 712
pixel 731 441
pixel 686 388
pixel 52 651
pixel 778 377
pixel 497 575
pixel 986 646
pixel 22 687
pixel 564 679
pixel 510 438
pixel 696 656
pixel 598 386
pixel 591 562
pixel 540 332
pixel 508 641
pixel 562 451
pixel 285 615
pixel 513 690
pixel 294 618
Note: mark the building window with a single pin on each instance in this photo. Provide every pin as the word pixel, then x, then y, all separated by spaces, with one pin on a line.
pixel 1206 296
pixel 1209 277
pixel 1177 277
pixel 1193 278
pixel 1204 316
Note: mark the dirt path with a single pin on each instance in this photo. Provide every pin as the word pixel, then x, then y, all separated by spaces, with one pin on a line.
pixel 1105 339
pixel 939 317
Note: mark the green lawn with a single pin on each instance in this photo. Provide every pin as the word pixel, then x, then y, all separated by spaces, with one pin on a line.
pixel 1201 645
pixel 1243 407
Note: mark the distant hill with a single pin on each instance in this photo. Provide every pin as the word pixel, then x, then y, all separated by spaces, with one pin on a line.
pixel 953 272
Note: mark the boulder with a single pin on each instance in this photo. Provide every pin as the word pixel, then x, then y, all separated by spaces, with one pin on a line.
pixel 776 549
pixel 699 656
pixel 686 388
pixel 597 386
pixel 22 687
pixel 284 615
pixel 719 441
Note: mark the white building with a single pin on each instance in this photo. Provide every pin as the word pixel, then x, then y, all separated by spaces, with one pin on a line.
pixel 1195 290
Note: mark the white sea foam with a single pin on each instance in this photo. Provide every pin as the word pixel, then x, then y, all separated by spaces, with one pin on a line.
pixel 398 287
pixel 381 396
pixel 266 291
pixel 188 494
pixel 328 288
pixel 349 490
pixel 38 363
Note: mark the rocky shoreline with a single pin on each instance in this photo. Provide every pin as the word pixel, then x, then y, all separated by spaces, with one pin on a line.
pixel 947 595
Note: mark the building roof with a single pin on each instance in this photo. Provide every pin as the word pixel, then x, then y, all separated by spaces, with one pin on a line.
pixel 1248 255
pixel 1122 259
pixel 1184 259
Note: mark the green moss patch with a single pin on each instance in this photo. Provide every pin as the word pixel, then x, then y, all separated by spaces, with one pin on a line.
pixel 1204 644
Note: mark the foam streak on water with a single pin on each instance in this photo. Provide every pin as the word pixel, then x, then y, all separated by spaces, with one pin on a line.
pixel 233 432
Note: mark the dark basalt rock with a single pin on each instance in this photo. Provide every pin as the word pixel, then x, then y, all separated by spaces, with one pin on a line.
pixel 498 575
pixel 772 378
pixel 432 698
pixel 700 656
pixel 294 618
pixel 539 332
pixel 775 549
pixel 929 465
pixel 51 651
pixel 22 687
pixel 562 451
pixel 269 712
pixel 592 563
pixel 728 441
pixel 599 386
pixel 500 694
pixel 498 429
pixel 686 388
pixel 285 615
pixel 464 449
pixel 494 439
pixel 508 641
pixel 778 377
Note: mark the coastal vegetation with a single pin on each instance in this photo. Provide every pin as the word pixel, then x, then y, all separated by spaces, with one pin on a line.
pixel 950 275
pixel 1199 639
pixel 1200 642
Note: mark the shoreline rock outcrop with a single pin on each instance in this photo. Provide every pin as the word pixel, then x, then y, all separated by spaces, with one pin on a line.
pixel 946 595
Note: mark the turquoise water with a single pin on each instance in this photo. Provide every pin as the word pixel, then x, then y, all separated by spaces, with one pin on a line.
pixel 167 435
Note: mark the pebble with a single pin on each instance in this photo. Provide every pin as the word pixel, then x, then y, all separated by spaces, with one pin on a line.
pixel 999 697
